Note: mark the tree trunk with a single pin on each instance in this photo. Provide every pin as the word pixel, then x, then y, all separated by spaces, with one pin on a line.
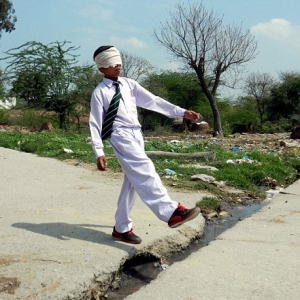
pixel 213 104
pixel 62 121
pixel 217 118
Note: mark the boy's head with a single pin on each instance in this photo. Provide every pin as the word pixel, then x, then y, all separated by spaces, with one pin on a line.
pixel 107 56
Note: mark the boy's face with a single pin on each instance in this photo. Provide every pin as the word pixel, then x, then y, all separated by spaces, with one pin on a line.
pixel 112 72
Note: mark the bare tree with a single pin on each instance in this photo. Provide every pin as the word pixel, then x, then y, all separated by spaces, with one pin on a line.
pixel 258 86
pixel 134 66
pixel 200 40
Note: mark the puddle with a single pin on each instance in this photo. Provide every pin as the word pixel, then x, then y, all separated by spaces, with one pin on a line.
pixel 141 271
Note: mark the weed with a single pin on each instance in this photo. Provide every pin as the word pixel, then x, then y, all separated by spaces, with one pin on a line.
pixel 210 204
pixel 246 176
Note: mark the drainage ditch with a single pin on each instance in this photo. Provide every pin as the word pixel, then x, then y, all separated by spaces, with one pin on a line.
pixel 140 271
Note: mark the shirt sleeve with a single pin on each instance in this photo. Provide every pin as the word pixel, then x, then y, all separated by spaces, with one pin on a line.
pixel 146 99
pixel 95 122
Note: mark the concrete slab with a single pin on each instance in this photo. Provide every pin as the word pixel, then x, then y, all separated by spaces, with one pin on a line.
pixel 293 189
pixel 256 259
pixel 56 223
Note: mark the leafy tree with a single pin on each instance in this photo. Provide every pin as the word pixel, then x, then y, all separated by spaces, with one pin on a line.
pixel 30 86
pixel 258 86
pixel 7 17
pixel 199 39
pixel 241 116
pixel 86 78
pixel 134 66
pixel 50 71
pixel 285 98
pixel 150 119
pixel 179 88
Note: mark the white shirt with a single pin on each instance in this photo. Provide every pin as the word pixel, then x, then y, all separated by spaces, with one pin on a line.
pixel 133 95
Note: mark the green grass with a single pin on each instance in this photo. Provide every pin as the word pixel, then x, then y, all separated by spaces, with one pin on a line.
pixel 49 144
pixel 210 204
pixel 244 176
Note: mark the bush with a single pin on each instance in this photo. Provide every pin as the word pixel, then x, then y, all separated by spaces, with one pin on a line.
pixel 30 119
pixel 283 125
pixel 4 116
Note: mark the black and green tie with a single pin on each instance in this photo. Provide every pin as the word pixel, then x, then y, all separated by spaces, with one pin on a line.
pixel 111 113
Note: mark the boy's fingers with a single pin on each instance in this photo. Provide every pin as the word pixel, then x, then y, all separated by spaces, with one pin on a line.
pixel 101 163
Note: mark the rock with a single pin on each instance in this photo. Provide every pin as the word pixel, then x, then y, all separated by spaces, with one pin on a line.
pixel 211 215
pixel 203 177
pixel 223 213
pixel 289 144
pixel 270 182
pixel 219 183
pixel 295 133
pixel 197 166
pixel 47 126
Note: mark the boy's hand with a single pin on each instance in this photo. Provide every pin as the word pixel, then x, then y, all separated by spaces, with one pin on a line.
pixel 191 115
pixel 101 163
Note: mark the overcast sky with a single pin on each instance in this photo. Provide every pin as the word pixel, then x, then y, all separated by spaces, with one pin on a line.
pixel 129 25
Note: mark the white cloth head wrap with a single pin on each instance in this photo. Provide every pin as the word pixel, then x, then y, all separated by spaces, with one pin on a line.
pixel 108 58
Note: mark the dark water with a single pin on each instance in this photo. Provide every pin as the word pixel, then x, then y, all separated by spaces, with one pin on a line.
pixel 140 272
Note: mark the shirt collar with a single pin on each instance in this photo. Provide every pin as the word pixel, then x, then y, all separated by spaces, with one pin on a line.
pixel 109 82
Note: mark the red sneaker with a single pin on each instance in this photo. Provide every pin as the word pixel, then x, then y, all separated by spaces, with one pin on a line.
pixel 127 237
pixel 182 215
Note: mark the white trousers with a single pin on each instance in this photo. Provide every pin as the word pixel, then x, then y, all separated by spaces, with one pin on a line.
pixel 139 177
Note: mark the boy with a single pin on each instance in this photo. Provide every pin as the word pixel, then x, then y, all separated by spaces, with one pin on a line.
pixel 127 142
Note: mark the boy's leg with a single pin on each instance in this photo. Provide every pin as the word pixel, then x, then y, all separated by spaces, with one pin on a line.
pixel 125 203
pixel 128 146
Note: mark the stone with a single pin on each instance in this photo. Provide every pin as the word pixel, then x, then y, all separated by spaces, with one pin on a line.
pixel 295 133
pixel 203 177
pixel 47 126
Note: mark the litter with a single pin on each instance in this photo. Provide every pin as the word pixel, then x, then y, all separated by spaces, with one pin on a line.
pixel 239 161
pixel 170 172
pixel 236 149
pixel 68 150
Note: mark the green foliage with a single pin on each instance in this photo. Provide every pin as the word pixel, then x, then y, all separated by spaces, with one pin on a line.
pixel 4 116
pixel 31 86
pixel 49 144
pixel 151 120
pixel 179 88
pixel 210 204
pixel 7 17
pixel 285 98
pixel 281 125
pixel 47 75
pixel 241 175
pixel 2 88
pixel 245 176
pixel 30 119
pixel 249 175
pixel 239 118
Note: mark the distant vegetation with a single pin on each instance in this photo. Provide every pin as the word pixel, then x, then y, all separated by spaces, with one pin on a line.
pixel 66 145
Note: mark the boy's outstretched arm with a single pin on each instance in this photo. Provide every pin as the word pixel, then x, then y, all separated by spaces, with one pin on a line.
pixel 191 115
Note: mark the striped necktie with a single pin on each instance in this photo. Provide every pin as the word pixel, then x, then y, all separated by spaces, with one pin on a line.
pixel 111 112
